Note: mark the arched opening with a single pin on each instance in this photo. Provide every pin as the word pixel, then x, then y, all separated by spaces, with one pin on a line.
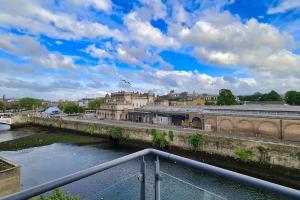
pixel 196 122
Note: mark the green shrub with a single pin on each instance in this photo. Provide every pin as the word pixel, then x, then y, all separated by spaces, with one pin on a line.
pixel 244 154
pixel 158 139
pixel 263 153
pixel 92 129
pixel 58 194
pixel 118 133
pixel 195 141
pixel 171 135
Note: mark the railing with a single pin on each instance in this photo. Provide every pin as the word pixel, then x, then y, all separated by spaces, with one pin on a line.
pixel 159 178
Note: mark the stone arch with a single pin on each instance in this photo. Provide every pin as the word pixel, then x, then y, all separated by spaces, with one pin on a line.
pixel 211 121
pixel 245 126
pixel 268 129
pixel 291 132
pixel 196 122
pixel 226 125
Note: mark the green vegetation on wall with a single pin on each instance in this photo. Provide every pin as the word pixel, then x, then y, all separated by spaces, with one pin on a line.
pixel 244 154
pixel 263 153
pixel 92 129
pixel 58 194
pixel 158 138
pixel 196 140
pixel 118 133
pixel 171 135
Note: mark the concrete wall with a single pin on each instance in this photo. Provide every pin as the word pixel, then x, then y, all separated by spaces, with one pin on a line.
pixel 9 179
pixel 274 128
pixel 287 155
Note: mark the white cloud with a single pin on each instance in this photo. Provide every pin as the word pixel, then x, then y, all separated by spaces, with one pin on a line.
pixel 96 52
pixel 29 49
pixel 34 18
pixel 105 5
pixel 284 5
pixel 255 46
pixel 162 81
pixel 156 8
pixel 145 34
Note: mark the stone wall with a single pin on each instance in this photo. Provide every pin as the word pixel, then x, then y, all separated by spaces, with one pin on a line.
pixel 287 155
pixel 274 128
pixel 9 179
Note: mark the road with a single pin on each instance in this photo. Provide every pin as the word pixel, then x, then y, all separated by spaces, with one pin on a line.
pixel 134 124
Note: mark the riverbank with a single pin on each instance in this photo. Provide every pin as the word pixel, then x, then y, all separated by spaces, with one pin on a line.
pixel 45 136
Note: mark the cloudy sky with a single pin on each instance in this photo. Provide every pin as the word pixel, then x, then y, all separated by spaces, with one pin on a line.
pixel 84 48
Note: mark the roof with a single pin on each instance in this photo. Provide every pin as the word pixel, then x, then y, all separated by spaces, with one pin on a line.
pixel 256 110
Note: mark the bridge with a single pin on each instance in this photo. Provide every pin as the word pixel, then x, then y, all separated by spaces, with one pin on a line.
pixel 5 118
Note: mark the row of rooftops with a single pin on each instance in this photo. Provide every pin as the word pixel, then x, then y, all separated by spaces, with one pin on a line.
pixel 253 110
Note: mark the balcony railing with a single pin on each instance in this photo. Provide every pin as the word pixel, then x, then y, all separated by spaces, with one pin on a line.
pixel 166 186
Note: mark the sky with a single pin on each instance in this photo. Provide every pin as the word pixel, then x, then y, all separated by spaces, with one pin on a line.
pixel 70 49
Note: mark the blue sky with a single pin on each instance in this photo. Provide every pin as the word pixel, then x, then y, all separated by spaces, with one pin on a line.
pixel 71 49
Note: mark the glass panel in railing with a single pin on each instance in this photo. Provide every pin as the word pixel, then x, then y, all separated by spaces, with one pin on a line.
pixel 173 188
pixel 128 188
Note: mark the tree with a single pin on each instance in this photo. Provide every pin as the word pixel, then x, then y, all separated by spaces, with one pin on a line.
pixel 94 104
pixel 271 96
pixel 292 97
pixel 226 97
pixel 1 105
pixel 61 105
pixel 71 107
pixel 30 103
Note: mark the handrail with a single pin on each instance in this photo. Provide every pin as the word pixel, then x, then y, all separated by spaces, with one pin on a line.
pixel 244 179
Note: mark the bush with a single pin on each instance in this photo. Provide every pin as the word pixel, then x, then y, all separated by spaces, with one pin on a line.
pixel 58 194
pixel 243 154
pixel 263 153
pixel 158 139
pixel 118 133
pixel 195 141
pixel 171 135
pixel 92 129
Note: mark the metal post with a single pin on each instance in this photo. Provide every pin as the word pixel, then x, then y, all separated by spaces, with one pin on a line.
pixel 142 178
pixel 157 179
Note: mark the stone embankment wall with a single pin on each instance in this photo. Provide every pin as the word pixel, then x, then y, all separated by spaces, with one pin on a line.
pixel 282 154
pixel 286 129
pixel 9 179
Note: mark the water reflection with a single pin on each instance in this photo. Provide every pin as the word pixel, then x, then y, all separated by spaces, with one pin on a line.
pixel 42 164
pixel 6 134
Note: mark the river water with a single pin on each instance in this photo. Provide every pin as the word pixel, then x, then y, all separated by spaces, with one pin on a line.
pixel 42 164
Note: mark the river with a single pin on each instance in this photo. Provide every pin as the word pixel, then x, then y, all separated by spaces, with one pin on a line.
pixel 42 164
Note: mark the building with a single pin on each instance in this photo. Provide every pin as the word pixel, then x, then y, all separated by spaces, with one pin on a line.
pixel 266 121
pixel 180 99
pixel 118 104
pixel 84 102
pixel 210 97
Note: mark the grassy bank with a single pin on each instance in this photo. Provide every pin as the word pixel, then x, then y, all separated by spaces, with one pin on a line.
pixel 4 166
pixel 46 138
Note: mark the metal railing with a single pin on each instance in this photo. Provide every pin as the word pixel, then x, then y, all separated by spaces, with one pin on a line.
pixel 244 179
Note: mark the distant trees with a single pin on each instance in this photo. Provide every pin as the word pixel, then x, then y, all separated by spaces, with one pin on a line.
pixel 28 103
pixel 1 105
pixel 226 97
pixel 292 97
pixel 271 96
pixel 94 104
pixel 71 107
